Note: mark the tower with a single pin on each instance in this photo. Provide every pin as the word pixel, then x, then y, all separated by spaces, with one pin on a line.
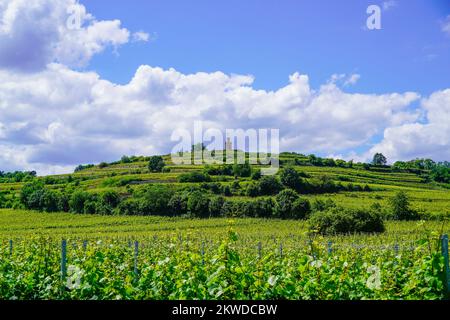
pixel 229 145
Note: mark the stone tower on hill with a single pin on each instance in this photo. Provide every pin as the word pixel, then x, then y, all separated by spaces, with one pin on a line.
pixel 229 145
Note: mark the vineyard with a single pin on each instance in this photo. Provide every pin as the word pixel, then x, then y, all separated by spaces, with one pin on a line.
pixel 332 230
pixel 175 258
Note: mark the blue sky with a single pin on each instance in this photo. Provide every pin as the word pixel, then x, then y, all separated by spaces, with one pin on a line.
pixel 133 72
pixel 272 39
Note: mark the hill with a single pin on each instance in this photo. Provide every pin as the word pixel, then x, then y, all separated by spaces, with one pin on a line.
pixel 136 234
pixel 348 185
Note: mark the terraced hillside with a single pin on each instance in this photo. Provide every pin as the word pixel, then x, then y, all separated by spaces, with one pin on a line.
pixel 368 185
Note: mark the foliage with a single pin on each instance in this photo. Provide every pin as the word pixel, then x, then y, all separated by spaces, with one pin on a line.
pixel 401 207
pixel 269 185
pixel 440 174
pixel 223 170
pixel 323 205
pixel 379 160
pixel 198 204
pixel 103 165
pixel 223 266
pixel 253 190
pixel 195 176
pixel 77 201
pixel 338 220
pixel 82 167
pixel 154 200
pixel 125 159
pixel 156 164
pixel 284 204
pixel 256 175
pixel 242 170
pixel 178 203
pixel 290 178
pixel 301 209
pixel 17 176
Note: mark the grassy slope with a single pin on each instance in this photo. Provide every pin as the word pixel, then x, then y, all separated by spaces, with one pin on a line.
pixel 19 225
pixel 429 197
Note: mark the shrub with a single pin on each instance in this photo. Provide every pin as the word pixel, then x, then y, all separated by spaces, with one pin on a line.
pixel 303 174
pixel 324 184
pixel 195 176
pixel 129 207
pixel 83 167
pixel 401 209
pixel 290 178
pixel 178 203
pixel 237 209
pixel 28 189
pixel 106 203
pixel 227 209
pixel 263 208
pixel 102 165
pixel 242 170
pixel 225 170
pixel 256 175
pixel 154 200
pixel 269 185
pixel 43 200
pixel 215 206
pixel 226 191
pixel 214 187
pixel 156 164
pixel 198 204
pixel 322 205
pixel 252 190
pixel 125 159
pixel 301 209
pixel 110 198
pixel 2 200
pixel 284 204
pixel 90 207
pixel 440 173
pixel 345 221
pixel 77 200
pixel 165 170
pixel 50 201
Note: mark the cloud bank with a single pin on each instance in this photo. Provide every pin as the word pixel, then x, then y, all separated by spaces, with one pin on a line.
pixel 34 33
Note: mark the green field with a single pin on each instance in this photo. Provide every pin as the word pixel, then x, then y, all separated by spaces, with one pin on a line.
pixel 21 225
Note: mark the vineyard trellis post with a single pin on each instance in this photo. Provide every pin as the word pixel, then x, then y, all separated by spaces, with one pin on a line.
pixel 84 245
pixel 330 247
pixel 203 253
pixel 136 253
pixel 444 248
pixel 259 250
pixel 281 250
pixel 10 247
pixel 63 260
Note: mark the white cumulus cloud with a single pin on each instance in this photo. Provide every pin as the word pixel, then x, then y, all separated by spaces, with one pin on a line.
pixel 446 25
pixel 34 33
pixel 57 118
pixel 426 139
